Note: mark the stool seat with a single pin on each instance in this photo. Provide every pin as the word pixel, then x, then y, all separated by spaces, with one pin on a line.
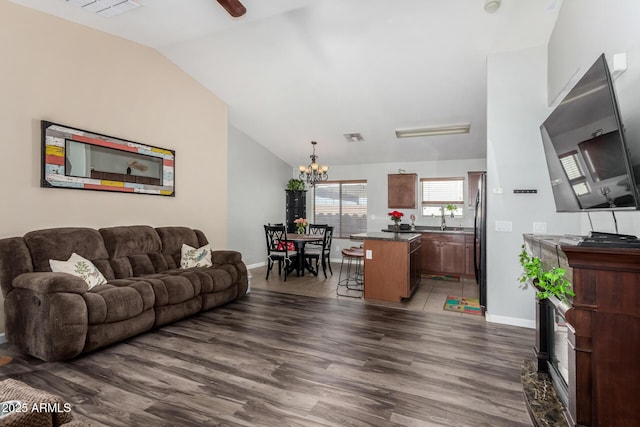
pixel 353 252
pixel 353 280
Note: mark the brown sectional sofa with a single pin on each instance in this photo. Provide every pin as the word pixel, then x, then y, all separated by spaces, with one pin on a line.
pixel 54 316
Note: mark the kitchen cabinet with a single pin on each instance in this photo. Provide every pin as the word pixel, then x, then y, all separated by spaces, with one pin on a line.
pixel 402 190
pixel 430 262
pixel 469 243
pixel 391 266
pixel 473 180
pixel 447 253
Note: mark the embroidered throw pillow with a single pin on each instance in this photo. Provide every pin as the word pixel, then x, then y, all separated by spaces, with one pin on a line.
pixel 80 267
pixel 192 257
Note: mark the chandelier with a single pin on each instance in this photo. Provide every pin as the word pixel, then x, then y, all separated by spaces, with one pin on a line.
pixel 314 173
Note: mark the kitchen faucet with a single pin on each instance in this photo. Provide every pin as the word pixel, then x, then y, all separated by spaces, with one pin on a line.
pixel 443 221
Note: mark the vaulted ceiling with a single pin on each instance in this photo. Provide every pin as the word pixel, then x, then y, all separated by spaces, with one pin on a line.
pixel 293 71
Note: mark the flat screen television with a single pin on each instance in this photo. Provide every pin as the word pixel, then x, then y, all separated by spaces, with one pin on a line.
pixel 585 148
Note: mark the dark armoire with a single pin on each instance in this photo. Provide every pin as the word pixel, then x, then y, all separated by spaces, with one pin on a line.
pixel 296 208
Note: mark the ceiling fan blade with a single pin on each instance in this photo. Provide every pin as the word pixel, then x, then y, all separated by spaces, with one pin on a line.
pixel 233 7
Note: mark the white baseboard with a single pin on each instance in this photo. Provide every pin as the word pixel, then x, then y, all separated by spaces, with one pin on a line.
pixel 3 339
pixel 513 321
pixel 262 264
pixel 256 265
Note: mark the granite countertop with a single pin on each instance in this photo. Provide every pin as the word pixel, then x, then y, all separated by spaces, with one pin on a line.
pixel 380 235
pixel 434 229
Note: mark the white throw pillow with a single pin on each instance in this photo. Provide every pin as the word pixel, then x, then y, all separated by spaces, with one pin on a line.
pixel 79 267
pixel 192 257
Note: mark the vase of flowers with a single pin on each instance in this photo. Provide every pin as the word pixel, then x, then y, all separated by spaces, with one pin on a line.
pixel 396 217
pixel 301 224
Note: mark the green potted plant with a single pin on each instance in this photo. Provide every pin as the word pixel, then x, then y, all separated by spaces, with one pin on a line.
pixel 451 208
pixel 295 185
pixel 548 282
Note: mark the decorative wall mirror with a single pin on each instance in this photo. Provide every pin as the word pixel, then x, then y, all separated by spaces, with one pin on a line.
pixel 78 159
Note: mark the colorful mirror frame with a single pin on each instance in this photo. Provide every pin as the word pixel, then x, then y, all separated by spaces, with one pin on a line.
pixel 78 159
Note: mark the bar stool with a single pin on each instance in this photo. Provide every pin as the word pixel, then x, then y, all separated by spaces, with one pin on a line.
pixel 353 279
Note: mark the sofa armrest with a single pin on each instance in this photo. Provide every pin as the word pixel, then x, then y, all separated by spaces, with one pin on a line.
pixel 48 282
pixel 226 257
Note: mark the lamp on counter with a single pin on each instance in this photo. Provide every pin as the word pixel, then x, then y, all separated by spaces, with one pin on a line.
pixel 314 173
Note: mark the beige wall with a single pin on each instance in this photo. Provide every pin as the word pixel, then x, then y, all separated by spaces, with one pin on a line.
pixel 55 70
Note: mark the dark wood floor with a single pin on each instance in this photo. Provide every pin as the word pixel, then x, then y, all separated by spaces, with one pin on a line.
pixel 286 360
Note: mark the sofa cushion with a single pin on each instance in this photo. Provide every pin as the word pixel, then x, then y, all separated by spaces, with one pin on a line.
pixel 60 243
pixel 211 279
pixel 172 240
pixel 79 267
pixel 130 240
pixel 134 251
pixel 192 257
pixel 174 289
pixel 123 300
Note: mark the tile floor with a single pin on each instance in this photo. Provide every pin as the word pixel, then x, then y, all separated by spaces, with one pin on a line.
pixel 429 297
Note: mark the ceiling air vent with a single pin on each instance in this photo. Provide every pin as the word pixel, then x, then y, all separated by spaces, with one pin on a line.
pixel 354 137
pixel 106 8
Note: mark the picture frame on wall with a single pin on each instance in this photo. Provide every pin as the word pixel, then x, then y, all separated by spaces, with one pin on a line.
pixel 79 159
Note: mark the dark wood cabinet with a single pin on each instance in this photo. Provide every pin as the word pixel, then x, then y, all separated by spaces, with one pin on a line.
pixel 444 253
pixel 296 206
pixel 469 243
pixel 392 272
pixel 473 180
pixel 604 345
pixel 452 256
pixel 402 190
pixel 430 261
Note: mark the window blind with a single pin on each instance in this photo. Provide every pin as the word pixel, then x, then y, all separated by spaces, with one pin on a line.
pixel 342 204
pixel 442 191
pixel 571 166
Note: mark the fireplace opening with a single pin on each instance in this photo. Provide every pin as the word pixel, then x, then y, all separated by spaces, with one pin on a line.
pixel 558 362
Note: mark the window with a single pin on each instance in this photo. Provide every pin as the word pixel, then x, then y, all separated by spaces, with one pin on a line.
pixel 342 204
pixel 571 166
pixel 577 179
pixel 437 193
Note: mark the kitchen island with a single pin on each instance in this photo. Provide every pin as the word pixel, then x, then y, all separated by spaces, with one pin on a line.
pixel 391 264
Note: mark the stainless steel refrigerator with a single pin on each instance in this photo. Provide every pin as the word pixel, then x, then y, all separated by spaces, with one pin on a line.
pixel 480 236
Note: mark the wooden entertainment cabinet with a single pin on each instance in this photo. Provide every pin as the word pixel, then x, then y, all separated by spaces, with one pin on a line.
pixel 603 332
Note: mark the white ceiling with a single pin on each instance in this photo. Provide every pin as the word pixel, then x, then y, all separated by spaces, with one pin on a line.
pixel 292 71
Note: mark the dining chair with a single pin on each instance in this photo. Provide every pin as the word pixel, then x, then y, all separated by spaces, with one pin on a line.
pixel 280 249
pixel 316 229
pixel 323 252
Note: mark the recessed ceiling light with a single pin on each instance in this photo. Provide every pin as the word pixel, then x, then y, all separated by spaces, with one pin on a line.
pixel 490 6
pixel 433 130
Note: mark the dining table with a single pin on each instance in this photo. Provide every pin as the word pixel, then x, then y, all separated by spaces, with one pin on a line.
pixel 300 241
